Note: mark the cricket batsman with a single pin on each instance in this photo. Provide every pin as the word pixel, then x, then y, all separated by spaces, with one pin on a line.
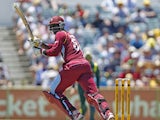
pixel 75 68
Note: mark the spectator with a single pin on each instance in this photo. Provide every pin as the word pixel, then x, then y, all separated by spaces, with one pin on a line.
pixel 48 76
pixel 120 42
pixel 137 42
pixel 98 22
pixel 121 11
pixel 108 5
pixel 116 60
pixel 110 74
pixel 148 10
pixel 4 75
pixel 81 13
pixel 131 5
pixel 103 39
pixel 150 41
pixel 127 58
pixel 121 16
pixel 138 16
pixel 126 71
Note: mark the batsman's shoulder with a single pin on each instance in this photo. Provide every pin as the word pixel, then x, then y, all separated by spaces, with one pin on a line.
pixel 61 35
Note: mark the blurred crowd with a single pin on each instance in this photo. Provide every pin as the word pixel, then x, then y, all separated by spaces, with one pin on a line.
pixel 123 37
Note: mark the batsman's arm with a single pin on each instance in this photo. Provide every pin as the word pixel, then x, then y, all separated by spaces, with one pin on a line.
pixel 37 42
pixel 45 46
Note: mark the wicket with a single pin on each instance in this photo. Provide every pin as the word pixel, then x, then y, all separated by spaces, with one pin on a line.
pixel 122 81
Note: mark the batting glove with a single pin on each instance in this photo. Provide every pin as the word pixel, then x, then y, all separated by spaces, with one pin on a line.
pixel 35 42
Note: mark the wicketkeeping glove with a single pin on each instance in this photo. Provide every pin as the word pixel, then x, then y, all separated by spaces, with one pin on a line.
pixel 36 42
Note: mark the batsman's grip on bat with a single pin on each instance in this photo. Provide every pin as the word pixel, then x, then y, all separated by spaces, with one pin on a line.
pixel 35 42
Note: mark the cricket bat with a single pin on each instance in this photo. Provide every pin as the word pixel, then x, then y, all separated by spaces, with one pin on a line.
pixel 22 16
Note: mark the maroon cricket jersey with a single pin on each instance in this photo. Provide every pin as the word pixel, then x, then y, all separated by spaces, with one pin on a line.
pixel 67 45
pixel 75 67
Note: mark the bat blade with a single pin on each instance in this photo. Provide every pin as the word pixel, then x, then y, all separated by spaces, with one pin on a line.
pixel 22 16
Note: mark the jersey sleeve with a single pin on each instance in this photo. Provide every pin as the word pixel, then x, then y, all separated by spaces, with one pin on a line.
pixel 56 47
